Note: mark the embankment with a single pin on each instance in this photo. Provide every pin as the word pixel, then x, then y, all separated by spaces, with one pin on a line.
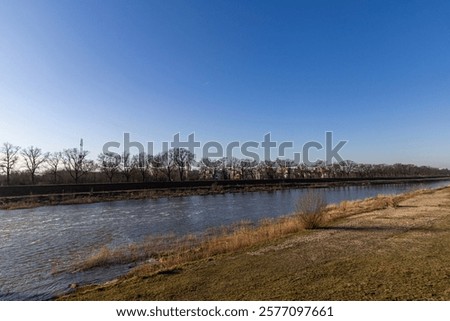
pixel 27 196
pixel 369 250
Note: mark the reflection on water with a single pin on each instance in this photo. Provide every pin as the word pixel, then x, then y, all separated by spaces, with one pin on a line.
pixel 34 243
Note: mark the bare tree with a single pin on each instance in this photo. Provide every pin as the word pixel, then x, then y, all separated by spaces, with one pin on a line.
pixel 34 158
pixel 211 168
pixel 54 160
pixel 248 169
pixel 232 166
pixel 182 159
pixel 76 163
pixel 269 169
pixel 8 159
pixel 126 166
pixel 348 167
pixel 142 164
pixel 109 164
pixel 164 162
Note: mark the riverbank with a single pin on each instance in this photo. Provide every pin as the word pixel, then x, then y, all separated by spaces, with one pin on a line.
pixel 378 249
pixel 20 197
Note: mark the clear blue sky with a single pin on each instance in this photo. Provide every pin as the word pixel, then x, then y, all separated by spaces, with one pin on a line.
pixel 376 73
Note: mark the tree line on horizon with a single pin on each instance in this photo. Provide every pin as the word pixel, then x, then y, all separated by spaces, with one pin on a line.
pixel 31 165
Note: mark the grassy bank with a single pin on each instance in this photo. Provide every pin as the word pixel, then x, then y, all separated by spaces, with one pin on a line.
pixel 383 248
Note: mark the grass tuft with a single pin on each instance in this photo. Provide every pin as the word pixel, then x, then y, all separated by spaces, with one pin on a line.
pixel 310 209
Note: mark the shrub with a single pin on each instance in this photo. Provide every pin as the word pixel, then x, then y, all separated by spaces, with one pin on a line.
pixel 385 201
pixel 395 201
pixel 310 209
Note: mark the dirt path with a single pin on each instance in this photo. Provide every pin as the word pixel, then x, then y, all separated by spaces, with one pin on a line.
pixel 398 253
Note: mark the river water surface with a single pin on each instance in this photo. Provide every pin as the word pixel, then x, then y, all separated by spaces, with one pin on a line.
pixel 34 242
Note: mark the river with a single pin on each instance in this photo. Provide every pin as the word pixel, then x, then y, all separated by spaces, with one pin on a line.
pixel 36 242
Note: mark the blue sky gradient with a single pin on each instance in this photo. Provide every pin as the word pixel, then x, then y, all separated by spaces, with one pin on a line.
pixel 376 73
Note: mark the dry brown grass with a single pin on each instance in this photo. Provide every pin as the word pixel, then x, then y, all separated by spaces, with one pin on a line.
pixel 310 209
pixel 349 208
pixel 212 243
pixel 154 248
pixel 165 252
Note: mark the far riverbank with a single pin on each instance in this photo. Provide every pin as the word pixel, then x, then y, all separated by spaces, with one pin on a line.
pixel 16 197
